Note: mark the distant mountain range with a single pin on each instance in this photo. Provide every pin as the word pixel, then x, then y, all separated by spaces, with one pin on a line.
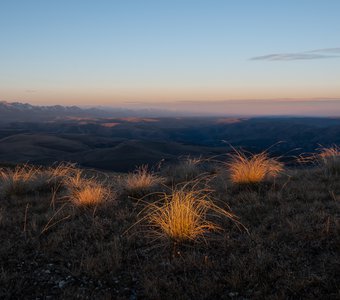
pixel 24 112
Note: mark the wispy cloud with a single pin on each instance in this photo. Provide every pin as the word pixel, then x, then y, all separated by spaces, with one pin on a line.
pixel 326 50
pixel 313 54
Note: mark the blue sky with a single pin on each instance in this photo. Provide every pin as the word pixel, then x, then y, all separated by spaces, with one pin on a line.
pixel 120 52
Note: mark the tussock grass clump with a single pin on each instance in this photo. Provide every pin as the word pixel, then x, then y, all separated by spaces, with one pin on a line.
pixel 89 195
pixel 184 214
pixel 142 180
pixel 58 173
pixel 85 192
pixel 253 168
pixel 186 169
pixel 329 158
pixel 75 180
pixel 20 180
pixel 26 178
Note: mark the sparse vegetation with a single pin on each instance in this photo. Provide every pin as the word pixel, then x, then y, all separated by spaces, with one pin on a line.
pixel 329 158
pixel 289 251
pixel 142 180
pixel 26 178
pixel 185 170
pixel 20 180
pixel 252 168
pixel 59 172
pixel 75 180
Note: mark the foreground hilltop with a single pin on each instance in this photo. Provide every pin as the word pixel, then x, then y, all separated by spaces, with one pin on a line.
pixel 250 228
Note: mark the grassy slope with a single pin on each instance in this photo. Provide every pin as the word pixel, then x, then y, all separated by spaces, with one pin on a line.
pixel 291 251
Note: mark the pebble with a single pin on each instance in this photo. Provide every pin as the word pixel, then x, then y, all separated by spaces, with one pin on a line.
pixel 61 284
pixel 233 294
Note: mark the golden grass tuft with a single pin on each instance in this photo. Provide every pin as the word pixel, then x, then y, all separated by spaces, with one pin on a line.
pixel 27 178
pixel 90 195
pixel 86 192
pixel 142 180
pixel 333 151
pixel 75 180
pixel 20 180
pixel 59 172
pixel 329 158
pixel 184 214
pixel 254 168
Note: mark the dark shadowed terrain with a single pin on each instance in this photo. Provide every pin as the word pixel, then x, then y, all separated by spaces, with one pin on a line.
pixel 93 138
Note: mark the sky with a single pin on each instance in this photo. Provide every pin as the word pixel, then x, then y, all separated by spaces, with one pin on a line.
pixel 192 54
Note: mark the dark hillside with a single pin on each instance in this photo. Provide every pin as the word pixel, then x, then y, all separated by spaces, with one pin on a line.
pixel 122 143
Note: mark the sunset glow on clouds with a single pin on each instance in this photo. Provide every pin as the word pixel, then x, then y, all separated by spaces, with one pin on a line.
pixel 158 53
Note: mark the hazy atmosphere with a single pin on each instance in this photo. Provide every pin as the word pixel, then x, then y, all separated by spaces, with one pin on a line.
pixel 169 53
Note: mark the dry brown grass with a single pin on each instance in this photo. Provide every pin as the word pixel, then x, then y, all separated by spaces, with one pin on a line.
pixel 141 180
pixel 253 168
pixel 20 180
pixel 89 195
pixel 326 158
pixel 27 178
pixel 290 251
pixel 329 158
pixel 81 191
pixel 75 180
pixel 184 214
pixel 85 192
pixel 59 172
pixel 187 169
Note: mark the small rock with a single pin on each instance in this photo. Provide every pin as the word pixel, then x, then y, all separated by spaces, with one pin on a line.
pixel 233 294
pixel 61 284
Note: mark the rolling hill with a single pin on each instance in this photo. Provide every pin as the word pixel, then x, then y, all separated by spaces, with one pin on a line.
pixel 122 143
